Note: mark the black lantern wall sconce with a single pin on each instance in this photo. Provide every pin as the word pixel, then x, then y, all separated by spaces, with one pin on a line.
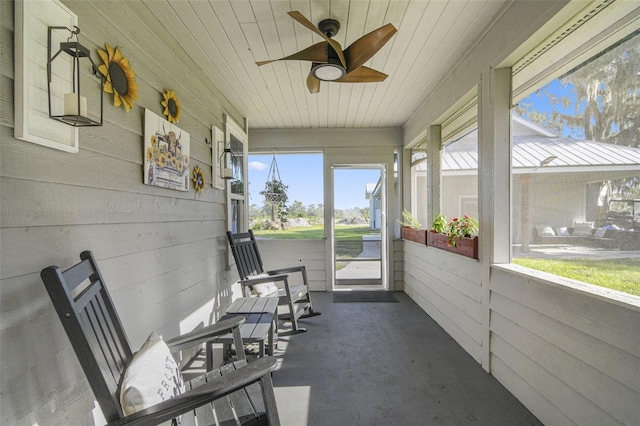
pixel 226 162
pixel 73 104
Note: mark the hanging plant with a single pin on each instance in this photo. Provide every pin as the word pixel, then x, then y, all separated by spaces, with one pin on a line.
pixel 120 78
pixel 275 194
pixel 171 104
pixel 198 179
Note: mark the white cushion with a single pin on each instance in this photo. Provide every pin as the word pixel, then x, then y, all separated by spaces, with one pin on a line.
pixel 152 377
pixel 600 232
pixel 563 231
pixel 583 229
pixel 545 231
pixel 264 289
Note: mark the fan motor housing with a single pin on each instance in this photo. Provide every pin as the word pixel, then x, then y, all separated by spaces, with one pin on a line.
pixel 329 27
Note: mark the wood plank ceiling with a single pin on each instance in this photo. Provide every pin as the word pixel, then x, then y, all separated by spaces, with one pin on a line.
pixel 228 37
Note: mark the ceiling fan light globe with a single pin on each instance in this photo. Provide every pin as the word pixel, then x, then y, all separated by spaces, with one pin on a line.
pixel 328 72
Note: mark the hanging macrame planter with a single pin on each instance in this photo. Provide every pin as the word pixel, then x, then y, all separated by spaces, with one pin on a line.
pixel 274 190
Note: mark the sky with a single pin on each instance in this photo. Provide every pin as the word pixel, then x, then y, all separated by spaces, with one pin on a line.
pixel 541 103
pixel 303 174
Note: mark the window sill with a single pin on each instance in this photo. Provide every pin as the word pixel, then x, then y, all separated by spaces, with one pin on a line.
pixel 608 295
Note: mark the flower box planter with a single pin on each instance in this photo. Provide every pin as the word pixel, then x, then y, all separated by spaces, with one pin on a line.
pixel 464 246
pixel 417 235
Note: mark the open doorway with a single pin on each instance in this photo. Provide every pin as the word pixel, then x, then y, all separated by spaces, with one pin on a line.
pixel 359 227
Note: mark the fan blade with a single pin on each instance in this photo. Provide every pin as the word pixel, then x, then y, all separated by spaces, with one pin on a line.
pixel 361 50
pixel 363 75
pixel 307 23
pixel 313 83
pixel 319 53
pixel 336 46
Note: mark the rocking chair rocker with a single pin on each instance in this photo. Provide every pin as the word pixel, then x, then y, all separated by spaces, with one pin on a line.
pixel 251 270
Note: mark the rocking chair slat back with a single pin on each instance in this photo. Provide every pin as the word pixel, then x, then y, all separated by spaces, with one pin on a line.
pixel 91 321
pixel 246 255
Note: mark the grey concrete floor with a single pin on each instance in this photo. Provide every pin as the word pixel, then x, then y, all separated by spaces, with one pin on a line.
pixel 384 364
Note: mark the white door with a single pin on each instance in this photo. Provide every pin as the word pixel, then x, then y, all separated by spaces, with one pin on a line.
pixel 359 228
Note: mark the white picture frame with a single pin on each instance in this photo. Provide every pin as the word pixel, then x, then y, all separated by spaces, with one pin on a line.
pixel 167 150
pixel 31 103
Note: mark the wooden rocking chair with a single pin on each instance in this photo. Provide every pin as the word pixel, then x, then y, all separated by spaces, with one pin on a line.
pixel 237 393
pixel 251 270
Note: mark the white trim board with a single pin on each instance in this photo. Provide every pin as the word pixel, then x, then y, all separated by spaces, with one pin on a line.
pixel 32 122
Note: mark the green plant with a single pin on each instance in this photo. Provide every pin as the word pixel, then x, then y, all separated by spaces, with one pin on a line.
pixel 465 226
pixel 275 195
pixel 409 220
pixel 439 224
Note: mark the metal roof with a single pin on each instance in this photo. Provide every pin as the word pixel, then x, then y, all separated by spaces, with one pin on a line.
pixel 537 151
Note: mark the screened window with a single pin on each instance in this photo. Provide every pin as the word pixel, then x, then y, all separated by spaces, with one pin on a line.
pixel 419 181
pixel 286 195
pixel 459 176
pixel 576 172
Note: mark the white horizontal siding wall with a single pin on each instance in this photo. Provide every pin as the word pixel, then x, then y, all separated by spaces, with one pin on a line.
pixel 284 253
pixel 447 286
pixel 162 252
pixel 573 355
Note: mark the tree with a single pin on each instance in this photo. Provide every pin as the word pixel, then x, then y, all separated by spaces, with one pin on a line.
pixel 311 210
pixel 297 209
pixel 604 105
pixel 255 210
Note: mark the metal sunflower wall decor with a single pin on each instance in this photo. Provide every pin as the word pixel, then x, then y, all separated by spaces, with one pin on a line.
pixel 171 104
pixel 198 179
pixel 120 77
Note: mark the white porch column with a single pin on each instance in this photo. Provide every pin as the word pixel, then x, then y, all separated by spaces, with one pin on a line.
pixel 434 155
pixel 494 184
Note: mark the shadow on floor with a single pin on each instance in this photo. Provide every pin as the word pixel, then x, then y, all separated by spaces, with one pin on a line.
pixel 384 364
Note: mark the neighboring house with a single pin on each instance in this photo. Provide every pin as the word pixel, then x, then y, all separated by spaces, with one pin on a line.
pixel 375 204
pixel 560 168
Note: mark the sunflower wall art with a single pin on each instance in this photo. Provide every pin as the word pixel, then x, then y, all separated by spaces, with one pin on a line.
pixel 166 147
pixel 171 104
pixel 120 78
pixel 198 179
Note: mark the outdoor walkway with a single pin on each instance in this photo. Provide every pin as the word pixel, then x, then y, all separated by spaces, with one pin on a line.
pixel 566 251
pixel 364 269
pixel 384 364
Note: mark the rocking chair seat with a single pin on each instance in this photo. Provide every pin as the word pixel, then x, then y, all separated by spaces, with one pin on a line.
pixel 223 396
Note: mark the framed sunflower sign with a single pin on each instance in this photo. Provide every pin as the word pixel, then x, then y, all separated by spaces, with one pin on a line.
pixel 166 147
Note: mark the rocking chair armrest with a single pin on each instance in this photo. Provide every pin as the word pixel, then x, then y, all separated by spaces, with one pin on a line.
pixel 204 334
pixel 244 375
pixel 288 270
pixel 260 280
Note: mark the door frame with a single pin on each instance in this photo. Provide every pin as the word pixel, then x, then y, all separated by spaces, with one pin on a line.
pixel 385 276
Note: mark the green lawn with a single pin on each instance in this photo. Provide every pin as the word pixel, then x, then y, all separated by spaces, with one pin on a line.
pixel 343 232
pixel 616 274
